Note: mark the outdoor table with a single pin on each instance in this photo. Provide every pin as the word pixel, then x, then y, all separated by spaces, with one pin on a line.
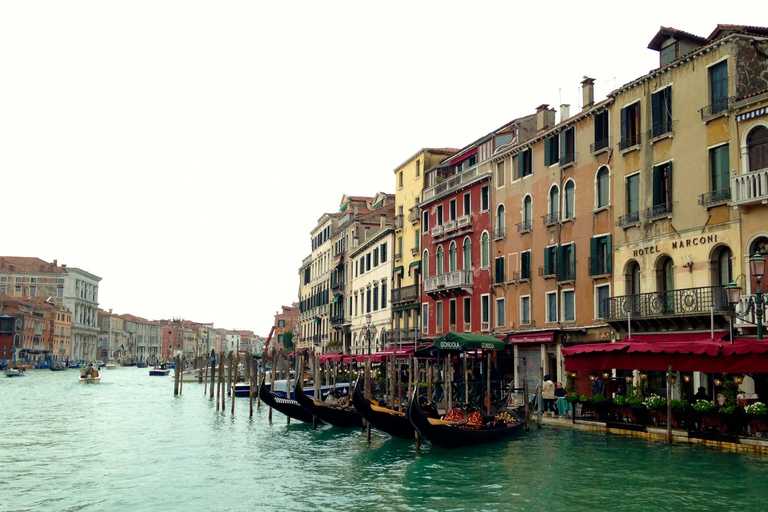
pixel 564 406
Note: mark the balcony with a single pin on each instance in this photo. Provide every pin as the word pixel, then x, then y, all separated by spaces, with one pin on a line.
pixel 566 160
pixel 658 211
pixel 689 308
pixel 450 283
pixel 550 218
pixel 464 221
pixel 628 220
pixel 449 226
pixel 337 284
pixel 750 188
pixel 525 226
pixel 715 197
pixel 454 182
pixel 631 140
pixel 405 294
pixel 500 233
pixel 396 336
pixel 398 222
pixel 413 215
pixel 437 231
pixel 337 319
pixel 600 145
pixel 718 106
pixel 660 130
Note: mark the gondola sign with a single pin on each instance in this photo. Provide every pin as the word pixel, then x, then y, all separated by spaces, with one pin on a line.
pixel 448 344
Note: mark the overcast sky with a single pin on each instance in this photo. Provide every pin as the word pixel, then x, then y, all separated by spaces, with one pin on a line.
pixel 183 150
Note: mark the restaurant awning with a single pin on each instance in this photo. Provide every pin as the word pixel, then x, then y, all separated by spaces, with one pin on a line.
pixel 686 352
pixel 465 341
pixel 401 351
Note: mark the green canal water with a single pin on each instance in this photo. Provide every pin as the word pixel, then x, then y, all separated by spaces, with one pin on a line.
pixel 129 444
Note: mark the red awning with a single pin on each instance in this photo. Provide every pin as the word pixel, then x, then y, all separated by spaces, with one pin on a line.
pixel 684 351
pixel 324 358
pixel 401 351
pixel 534 337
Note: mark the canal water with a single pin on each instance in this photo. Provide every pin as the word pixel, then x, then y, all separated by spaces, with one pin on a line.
pixel 129 444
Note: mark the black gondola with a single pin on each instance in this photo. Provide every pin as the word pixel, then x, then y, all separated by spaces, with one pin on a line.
pixel 337 416
pixel 394 423
pixel 452 435
pixel 287 406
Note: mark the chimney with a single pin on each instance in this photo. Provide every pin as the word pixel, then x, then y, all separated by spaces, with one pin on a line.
pixel 55 263
pixel 541 117
pixel 382 221
pixel 565 112
pixel 587 92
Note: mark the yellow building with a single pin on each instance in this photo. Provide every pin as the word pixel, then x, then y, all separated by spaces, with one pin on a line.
pixel 406 289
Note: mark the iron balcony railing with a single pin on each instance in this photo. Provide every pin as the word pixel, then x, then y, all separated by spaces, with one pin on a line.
pixel 659 210
pixel 550 218
pixel 702 300
pixel 405 294
pixel 500 233
pixel 525 226
pixel 629 141
pixel 628 219
pixel 717 106
pixel 660 129
pixel 599 144
pixel 715 197
pixel 566 159
pixel 396 336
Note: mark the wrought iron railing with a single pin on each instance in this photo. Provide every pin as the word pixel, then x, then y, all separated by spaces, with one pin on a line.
pixel 500 233
pixel 405 293
pixel 702 300
pixel 628 219
pixel 629 141
pixel 715 197
pixel 716 107
pixel 659 210
pixel 566 159
pixel 599 144
pixel 525 226
pixel 660 129
pixel 550 218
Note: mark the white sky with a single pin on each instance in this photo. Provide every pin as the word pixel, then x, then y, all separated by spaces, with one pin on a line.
pixel 183 150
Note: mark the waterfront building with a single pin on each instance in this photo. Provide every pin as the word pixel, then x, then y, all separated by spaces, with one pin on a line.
pixel 70 287
pixel 27 329
pixel 113 338
pixel 552 234
pixel 325 304
pixel 144 339
pixel 456 236
pixel 285 325
pixel 688 184
pixel 406 277
pixel 369 268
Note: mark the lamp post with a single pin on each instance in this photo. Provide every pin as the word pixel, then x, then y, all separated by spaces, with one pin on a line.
pixel 368 326
pixel 756 303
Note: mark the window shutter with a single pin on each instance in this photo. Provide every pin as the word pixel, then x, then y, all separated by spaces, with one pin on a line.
pixel 563 146
pixel 594 256
pixel 547 261
pixel 624 133
pixel 520 165
pixel 608 254
pixel 548 151
pixel 658 185
pixel 656 112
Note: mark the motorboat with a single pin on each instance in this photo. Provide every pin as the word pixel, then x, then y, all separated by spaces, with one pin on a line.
pixel 15 372
pixel 93 377
pixel 159 371
pixel 111 365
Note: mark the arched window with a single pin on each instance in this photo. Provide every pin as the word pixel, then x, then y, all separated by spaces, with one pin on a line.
pixel 760 246
pixel 484 263
pixel 500 221
pixel 603 192
pixel 425 265
pixel 757 148
pixel 724 270
pixel 467 259
pixel 554 204
pixel 527 213
pixel 569 199
pixel 633 287
pixel 452 257
pixel 666 284
pixel 439 269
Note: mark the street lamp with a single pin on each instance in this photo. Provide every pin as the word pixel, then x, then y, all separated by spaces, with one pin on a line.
pixel 756 303
pixel 368 326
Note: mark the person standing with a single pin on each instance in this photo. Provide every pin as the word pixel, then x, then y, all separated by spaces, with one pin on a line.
pixel 548 395
pixel 597 386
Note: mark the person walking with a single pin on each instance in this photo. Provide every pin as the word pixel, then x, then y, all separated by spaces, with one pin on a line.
pixel 548 395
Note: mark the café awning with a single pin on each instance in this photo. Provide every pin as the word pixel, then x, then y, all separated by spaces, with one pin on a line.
pixel 465 341
pixel 685 352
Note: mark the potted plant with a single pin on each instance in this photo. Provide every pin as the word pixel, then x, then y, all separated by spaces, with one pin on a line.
pixel 655 402
pixel 758 418
pixel 756 409
pixel 702 406
pixel 677 404
pixel 573 398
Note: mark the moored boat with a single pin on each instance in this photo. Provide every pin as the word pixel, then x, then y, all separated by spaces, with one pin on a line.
pixel 287 406
pixel 111 365
pixel 241 389
pixel 394 423
pixel 338 416
pixel 472 428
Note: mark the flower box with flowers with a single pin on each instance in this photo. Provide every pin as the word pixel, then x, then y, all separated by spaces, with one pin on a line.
pixel 757 414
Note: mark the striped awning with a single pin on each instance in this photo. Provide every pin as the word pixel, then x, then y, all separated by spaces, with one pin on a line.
pixel 750 115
